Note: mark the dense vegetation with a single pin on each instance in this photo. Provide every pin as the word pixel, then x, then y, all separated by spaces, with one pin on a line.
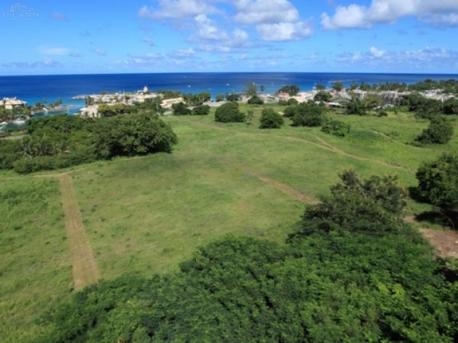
pixel 353 272
pixel 308 114
pixel 438 182
pixel 439 131
pixel 270 119
pixel 228 113
pixel 291 90
pixel 62 141
pixel 336 128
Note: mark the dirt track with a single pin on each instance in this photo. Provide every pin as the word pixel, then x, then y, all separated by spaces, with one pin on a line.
pixel 85 270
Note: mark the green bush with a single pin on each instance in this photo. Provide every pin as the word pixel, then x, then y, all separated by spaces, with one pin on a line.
pixel 308 114
pixel 438 182
pixel 374 206
pixel 290 111
pixel 233 97
pixel 322 96
pixel 255 100
pixel 180 109
pixel 105 110
pixel 356 107
pixel 291 90
pixel 451 106
pixel 228 113
pixel 440 131
pixel 201 110
pixel 270 119
pixel 336 128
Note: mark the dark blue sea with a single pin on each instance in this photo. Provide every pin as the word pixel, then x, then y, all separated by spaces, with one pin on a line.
pixel 53 87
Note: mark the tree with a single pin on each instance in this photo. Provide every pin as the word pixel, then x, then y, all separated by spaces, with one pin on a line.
pixel 439 131
pixel 320 87
pixel 290 111
pixel 255 100
pixel 220 98
pixel 336 128
pixel 355 107
pixel 438 182
pixel 251 90
pixel 233 97
pixel 201 110
pixel 291 90
pixel 180 109
pixel 338 86
pixel 271 119
pixel 308 114
pixel 451 106
pixel 229 112
pixel 373 205
pixel 322 96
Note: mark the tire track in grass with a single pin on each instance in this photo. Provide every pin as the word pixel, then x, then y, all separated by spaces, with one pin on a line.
pixel 284 188
pixel 85 269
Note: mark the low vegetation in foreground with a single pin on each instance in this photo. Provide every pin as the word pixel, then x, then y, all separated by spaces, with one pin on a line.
pixel 353 271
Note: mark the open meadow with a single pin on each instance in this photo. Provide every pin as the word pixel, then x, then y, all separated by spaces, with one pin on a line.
pixel 147 214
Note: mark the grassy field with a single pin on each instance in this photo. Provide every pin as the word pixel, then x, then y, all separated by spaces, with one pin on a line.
pixel 35 271
pixel 145 215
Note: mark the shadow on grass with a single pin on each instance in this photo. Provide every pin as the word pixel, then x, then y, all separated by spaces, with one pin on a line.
pixel 443 218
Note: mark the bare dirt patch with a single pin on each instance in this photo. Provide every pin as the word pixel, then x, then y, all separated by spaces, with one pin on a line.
pixel 85 269
pixel 445 242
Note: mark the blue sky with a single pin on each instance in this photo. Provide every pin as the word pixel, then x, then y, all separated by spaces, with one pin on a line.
pixel 101 36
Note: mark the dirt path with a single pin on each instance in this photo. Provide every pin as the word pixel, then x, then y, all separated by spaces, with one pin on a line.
pixel 85 270
pixel 444 241
pixel 284 188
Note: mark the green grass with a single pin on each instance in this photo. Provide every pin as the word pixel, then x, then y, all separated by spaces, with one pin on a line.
pixel 145 215
pixel 34 264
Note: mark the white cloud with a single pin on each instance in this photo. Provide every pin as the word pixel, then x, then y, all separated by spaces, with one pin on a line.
pixel 176 9
pixel 262 12
pixel 284 31
pixel 376 53
pixel 386 11
pixel 275 20
pixel 207 29
pixel 58 51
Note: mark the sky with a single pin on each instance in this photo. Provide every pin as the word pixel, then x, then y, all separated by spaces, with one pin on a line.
pixel 138 36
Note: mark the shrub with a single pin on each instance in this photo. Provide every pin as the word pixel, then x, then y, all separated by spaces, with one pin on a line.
pixel 356 107
pixel 233 97
pixel 290 111
pixel 220 98
pixel 308 114
pixel 180 109
pixel 113 110
pixel 197 99
pixel 451 106
pixel 291 90
pixel 440 131
pixel 255 100
pixel 336 128
pixel 374 205
pixel 438 182
pixel 322 96
pixel 271 119
pixel 202 110
pixel 229 112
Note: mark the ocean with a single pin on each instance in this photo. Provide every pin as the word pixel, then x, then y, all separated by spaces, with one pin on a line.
pixel 53 87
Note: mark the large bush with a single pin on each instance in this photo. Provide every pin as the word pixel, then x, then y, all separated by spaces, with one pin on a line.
pixel 322 96
pixel 201 110
pixel 255 100
pixel 308 114
pixel 440 131
pixel 438 182
pixel 356 107
pixel 229 112
pixel 180 109
pixel 451 106
pixel 374 206
pixel 270 119
pixel 336 128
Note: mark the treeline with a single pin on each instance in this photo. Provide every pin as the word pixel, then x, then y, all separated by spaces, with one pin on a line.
pixel 63 141
pixel 447 86
pixel 353 271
